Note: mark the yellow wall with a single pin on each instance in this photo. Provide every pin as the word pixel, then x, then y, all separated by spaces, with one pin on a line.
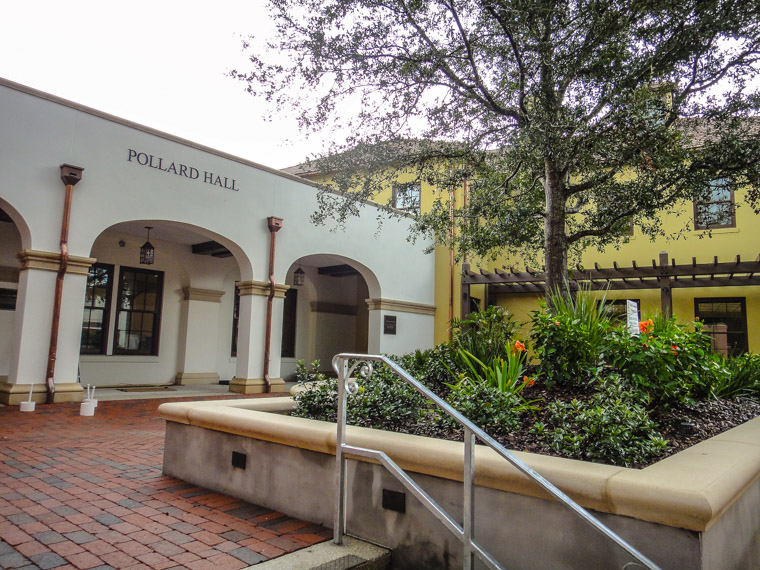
pixel 727 243
pixel 684 243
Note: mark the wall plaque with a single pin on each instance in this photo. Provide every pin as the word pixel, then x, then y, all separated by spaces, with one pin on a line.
pixel 389 324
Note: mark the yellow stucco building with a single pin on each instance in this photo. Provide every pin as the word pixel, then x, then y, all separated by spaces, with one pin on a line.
pixel 713 267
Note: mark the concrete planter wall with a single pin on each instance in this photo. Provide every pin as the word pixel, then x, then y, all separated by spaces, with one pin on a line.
pixel 697 509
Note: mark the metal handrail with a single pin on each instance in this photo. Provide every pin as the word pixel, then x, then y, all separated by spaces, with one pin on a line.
pixel 465 532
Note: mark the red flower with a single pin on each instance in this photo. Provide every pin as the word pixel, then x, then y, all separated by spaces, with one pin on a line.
pixel 674 348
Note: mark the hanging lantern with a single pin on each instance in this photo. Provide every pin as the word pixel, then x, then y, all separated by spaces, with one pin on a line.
pixel 299 276
pixel 147 251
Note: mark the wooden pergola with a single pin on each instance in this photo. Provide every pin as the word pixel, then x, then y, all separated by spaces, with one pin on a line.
pixel 664 274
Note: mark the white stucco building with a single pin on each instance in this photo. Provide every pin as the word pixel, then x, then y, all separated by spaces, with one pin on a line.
pixel 198 314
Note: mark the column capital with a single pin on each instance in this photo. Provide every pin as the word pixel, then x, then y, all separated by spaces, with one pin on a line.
pixel 261 288
pixel 208 295
pixel 48 261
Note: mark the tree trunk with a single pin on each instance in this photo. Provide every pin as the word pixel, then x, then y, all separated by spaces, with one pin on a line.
pixel 555 237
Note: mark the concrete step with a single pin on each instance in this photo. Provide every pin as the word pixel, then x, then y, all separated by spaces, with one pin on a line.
pixel 353 553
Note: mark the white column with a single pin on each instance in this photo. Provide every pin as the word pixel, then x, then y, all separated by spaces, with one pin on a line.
pixel 198 355
pixel 34 315
pixel 249 375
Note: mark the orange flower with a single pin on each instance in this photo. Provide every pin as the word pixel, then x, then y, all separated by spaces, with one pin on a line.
pixel 646 326
pixel 520 347
pixel 528 381
pixel 557 323
pixel 674 348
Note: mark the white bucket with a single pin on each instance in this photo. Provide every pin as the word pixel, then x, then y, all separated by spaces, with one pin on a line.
pixel 27 406
pixel 92 401
pixel 86 409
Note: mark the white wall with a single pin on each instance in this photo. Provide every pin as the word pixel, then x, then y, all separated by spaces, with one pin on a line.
pixel 42 132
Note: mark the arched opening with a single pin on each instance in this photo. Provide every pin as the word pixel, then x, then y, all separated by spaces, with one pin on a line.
pixel 168 322
pixel 327 313
pixel 11 243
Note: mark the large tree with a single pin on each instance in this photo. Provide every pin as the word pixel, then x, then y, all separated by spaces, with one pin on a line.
pixel 567 118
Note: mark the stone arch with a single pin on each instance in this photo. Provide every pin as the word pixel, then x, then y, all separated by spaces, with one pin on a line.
pixel 328 313
pixel 191 342
pixel 15 236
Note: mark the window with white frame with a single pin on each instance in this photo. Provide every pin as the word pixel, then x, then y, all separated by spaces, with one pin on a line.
pixel 406 197
pixel 716 209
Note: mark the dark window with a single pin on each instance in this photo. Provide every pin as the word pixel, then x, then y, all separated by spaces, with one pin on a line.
pixel 406 197
pixel 716 210
pixel 726 320
pixel 97 305
pixel 235 320
pixel 8 299
pixel 289 323
pixel 138 311
pixel 617 309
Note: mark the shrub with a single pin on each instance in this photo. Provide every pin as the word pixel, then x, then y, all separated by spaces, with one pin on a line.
pixel 304 375
pixel 485 334
pixel 496 412
pixel 568 336
pixel 611 427
pixel 741 378
pixel 318 401
pixel 668 363
pixel 383 401
pixel 436 367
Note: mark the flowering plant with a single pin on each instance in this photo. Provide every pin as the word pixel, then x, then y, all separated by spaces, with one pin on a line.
pixel 668 363
pixel 646 326
pixel 504 374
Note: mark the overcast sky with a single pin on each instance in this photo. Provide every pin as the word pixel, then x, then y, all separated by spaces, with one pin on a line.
pixel 160 63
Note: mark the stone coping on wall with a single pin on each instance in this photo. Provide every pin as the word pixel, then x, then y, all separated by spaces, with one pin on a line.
pixel 689 490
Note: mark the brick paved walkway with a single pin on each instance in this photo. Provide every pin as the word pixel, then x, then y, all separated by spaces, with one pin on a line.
pixel 87 492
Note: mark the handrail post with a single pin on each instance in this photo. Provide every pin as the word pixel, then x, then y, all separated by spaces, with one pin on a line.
pixel 340 476
pixel 468 504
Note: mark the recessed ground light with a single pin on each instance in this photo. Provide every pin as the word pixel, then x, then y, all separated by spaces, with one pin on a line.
pixel 238 460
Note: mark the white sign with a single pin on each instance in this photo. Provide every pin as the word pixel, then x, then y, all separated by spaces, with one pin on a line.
pixel 632 317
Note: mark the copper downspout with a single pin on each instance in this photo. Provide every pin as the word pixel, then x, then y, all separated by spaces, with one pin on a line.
pixel 70 175
pixel 275 225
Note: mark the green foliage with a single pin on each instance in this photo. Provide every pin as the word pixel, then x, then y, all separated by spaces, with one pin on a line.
pixel 318 401
pixel 504 375
pixel 741 378
pixel 386 402
pixel 304 375
pixel 611 427
pixel 573 95
pixel 669 364
pixel 436 367
pixel 382 401
pixel 494 411
pixel 568 337
pixel 486 334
